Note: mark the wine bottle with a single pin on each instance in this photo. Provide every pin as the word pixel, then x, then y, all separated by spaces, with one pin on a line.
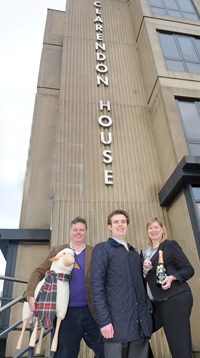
pixel 160 269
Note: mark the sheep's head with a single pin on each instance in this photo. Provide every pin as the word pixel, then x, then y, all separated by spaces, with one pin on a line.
pixel 65 258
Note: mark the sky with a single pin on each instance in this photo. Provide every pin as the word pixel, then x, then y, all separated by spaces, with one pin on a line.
pixel 22 24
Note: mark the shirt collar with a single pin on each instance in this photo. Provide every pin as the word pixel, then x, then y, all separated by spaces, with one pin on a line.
pixel 77 252
pixel 118 240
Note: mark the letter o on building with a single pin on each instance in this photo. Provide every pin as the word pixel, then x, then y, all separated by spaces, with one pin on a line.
pixel 101 68
pixel 105 118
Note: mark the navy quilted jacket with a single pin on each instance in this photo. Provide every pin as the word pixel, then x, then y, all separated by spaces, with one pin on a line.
pixel 117 291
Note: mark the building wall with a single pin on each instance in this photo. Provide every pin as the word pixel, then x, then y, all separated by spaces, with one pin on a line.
pixel 72 164
pixel 180 227
pixel 161 88
pixel 65 168
pixel 39 180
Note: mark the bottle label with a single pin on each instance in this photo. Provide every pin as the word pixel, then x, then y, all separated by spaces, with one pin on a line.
pixel 160 273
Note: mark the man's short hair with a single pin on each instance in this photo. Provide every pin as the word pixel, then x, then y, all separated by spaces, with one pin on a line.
pixel 117 212
pixel 78 219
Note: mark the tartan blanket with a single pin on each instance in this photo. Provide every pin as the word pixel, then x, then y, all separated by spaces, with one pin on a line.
pixel 45 302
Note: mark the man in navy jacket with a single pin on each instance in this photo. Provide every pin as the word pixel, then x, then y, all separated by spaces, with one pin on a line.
pixel 118 293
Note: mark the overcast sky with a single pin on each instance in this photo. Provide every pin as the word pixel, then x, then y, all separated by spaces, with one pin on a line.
pixel 22 24
pixel 22 28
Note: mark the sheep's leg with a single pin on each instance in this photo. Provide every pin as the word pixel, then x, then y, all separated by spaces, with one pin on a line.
pixel 20 340
pixel 39 345
pixel 33 335
pixel 55 337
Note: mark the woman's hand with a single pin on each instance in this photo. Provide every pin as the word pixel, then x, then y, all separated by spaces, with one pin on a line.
pixel 147 265
pixel 166 283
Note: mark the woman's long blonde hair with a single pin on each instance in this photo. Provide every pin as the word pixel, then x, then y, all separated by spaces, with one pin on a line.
pixel 159 221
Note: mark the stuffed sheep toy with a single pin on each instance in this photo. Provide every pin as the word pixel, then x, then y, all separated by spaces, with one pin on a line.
pixel 51 299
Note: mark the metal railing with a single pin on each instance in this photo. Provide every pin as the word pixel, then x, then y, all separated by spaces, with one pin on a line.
pixel 16 325
pixel 10 304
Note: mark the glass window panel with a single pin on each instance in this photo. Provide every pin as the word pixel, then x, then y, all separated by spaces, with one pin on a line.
pixel 198 209
pixel 197 44
pixel 171 4
pixel 193 67
pixel 156 3
pixel 196 192
pixel 191 16
pixel 191 119
pixel 194 148
pixel 158 10
pixel 186 5
pixel 169 46
pixel 174 13
pixel 187 48
pixel 175 65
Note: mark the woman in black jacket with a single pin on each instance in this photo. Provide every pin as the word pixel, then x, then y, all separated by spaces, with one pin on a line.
pixel 172 300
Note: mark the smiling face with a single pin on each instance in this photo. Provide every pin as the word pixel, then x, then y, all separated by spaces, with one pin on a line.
pixel 118 226
pixel 78 233
pixel 155 233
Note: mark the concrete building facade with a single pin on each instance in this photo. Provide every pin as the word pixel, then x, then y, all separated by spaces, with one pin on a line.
pixel 113 128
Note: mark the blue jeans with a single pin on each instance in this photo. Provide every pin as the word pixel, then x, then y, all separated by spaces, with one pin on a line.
pixel 77 324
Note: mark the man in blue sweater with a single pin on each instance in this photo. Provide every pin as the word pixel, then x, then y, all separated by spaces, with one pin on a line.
pixel 79 322
pixel 118 293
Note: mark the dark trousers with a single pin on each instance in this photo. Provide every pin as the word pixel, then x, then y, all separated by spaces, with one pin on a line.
pixel 133 349
pixel 78 324
pixel 173 315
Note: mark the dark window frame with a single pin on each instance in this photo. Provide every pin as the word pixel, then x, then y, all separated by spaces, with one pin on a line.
pixel 189 140
pixel 194 215
pixel 9 239
pixel 183 62
pixel 183 14
pixel 184 176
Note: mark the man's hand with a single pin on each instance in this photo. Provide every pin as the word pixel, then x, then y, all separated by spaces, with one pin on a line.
pixel 107 331
pixel 31 301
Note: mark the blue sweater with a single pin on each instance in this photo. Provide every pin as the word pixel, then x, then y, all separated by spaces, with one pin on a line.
pixel 77 296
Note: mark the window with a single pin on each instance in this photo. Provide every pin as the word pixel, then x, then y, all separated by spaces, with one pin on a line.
pixel 196 193
pixel 181 52
pixel 178 8
pixel 190 116
pixel 192 195
pixel 186 178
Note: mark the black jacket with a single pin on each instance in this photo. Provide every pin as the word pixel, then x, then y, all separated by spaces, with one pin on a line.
pixel 176 264
pixel 118 292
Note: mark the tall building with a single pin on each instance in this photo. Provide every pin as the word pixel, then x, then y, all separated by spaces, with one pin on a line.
pixel 116 124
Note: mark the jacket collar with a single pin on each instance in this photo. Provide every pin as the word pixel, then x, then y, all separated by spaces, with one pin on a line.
pixel 162 245
pixel 113 242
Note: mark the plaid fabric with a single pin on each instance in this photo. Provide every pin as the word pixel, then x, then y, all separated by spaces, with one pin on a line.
pixel 45 303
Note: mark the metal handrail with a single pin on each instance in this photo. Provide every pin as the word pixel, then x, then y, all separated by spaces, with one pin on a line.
pixel 28 349
pixel 16 300
pixel 9 329
pixel 8 278
pixel 10 304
